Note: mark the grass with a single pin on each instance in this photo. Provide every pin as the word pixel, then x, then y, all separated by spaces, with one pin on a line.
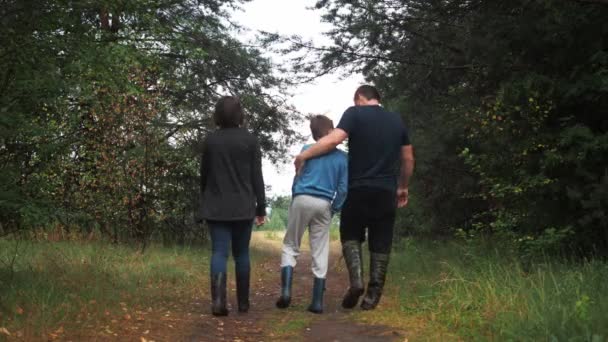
pixel 435 291
pixel 451 291
pixel 290 324
pixel 85 290
pixel 45 286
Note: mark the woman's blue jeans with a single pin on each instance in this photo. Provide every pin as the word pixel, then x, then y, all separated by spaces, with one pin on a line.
pixel 226 235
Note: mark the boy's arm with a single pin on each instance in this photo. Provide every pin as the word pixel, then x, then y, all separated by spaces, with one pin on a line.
pixel 297 175
pixel 342 189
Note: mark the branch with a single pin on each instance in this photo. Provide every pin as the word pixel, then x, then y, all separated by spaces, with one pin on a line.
pixel 602 2
pixel 382 58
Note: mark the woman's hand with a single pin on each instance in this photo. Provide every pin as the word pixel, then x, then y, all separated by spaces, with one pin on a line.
pixel 260 220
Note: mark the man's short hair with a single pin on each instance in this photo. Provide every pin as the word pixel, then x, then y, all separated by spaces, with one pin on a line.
pixel 228 112
pixel 367 91
pixel 320 126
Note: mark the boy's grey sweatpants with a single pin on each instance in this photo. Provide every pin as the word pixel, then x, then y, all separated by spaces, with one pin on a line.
pixel 314 213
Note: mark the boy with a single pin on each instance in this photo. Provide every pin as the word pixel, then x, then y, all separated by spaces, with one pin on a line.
pixel 318 193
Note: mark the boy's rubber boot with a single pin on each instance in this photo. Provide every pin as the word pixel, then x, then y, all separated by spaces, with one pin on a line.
pixel 378 266
pixel 286 279
pixel 353 256
pixel 242 291
pixel 218 294
pixel 317 296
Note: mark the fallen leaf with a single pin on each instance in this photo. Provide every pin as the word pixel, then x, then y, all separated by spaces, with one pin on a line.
pixel 19 311
pixel 127 317
pixel 4 331
pixel 146 332
pixel 143 339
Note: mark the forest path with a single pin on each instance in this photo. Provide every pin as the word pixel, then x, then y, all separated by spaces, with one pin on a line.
pixel 265 322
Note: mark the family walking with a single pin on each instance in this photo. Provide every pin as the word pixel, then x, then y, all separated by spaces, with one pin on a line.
pixel 366 186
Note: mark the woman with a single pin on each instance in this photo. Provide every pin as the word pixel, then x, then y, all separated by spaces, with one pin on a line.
pixel 232 190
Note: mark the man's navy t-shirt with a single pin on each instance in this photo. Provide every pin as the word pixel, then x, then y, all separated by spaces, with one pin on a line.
pixel 375 138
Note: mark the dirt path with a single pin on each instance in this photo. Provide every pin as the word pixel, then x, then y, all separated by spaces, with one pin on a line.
pixel 265 322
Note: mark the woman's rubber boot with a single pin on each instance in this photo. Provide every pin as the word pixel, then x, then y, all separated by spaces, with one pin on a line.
pixel 218 294
pixel 242 291
pixel 378 266
pixel 286 279
pixel 354 262
pixel 317 296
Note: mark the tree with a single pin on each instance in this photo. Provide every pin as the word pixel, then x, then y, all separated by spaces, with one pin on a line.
pixel 505 103
pixel 104 105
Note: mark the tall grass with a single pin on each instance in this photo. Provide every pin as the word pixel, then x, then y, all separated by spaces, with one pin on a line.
pixel 462 291
pixel 44 285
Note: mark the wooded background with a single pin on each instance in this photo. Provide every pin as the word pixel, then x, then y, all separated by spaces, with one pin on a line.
pixel 506 103
pixel 103 105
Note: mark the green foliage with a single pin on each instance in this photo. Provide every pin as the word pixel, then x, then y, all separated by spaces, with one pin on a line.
pixel 104 104
pixel 277 220
pixel 58 284
pixel 278 217
pixel 505 102
pixel 452 291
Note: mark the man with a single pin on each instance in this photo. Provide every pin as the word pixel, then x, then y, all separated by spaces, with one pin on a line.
pixel 381 163
pixel 318 192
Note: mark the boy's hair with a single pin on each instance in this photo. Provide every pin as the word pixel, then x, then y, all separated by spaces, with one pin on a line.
pixel 320 126
pixel 228 112
pixel 367 91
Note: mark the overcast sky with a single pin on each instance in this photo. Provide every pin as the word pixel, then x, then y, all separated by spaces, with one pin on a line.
pixel 328 95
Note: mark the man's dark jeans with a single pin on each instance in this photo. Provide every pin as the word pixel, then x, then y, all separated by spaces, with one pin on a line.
pixel 373 209
pixel 227 234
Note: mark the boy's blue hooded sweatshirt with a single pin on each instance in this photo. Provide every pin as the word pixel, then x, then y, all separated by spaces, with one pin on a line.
pixel 326 177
